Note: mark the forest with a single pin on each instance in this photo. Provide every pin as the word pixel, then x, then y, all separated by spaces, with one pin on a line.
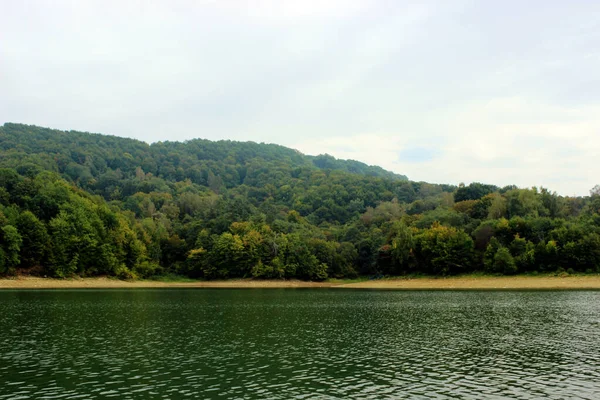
pixel 76 203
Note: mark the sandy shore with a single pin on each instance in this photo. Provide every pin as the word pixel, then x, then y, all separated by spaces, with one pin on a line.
pixel 468 282
pixel 486 282
pixel 28 282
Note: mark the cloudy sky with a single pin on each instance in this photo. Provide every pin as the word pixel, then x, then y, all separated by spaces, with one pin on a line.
pixel 446 91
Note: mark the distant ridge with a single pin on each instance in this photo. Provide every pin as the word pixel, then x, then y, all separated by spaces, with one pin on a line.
pixel 33 140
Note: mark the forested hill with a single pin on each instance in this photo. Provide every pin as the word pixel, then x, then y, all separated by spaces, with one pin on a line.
pixel 88 204
pixel 82 155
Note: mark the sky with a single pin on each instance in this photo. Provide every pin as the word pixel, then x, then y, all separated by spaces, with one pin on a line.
pixel 449 91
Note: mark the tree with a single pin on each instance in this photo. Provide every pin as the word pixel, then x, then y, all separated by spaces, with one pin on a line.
pixel 497 208
pixel 224 256
pixel 62 259
pixel 503 262
pixel 402 246
pixel 197 263
pixel 10 241
pixel 444 250
pixel 474 191
pixel 35 239
pixel 524 203
pixel 490 254
pixel 306 265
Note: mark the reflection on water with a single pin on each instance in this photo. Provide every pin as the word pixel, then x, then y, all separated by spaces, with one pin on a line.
pixel 280 344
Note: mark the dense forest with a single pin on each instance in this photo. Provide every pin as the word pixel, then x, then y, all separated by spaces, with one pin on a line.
pixel 90 204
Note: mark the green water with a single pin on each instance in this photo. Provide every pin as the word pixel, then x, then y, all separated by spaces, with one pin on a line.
pixel 298 343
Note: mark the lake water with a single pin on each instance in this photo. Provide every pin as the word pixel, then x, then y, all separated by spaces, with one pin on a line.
pixel 299 343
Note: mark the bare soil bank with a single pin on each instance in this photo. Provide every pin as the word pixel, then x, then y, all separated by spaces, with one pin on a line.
pixel 466 282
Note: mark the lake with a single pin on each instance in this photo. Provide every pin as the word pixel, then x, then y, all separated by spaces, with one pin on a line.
pixel 298 343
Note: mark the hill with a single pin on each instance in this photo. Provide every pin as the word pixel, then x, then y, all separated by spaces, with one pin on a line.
pixel 90 204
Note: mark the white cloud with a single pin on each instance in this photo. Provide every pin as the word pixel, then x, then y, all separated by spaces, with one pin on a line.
pixel 286 10
pixel 506 141
pixel 367 80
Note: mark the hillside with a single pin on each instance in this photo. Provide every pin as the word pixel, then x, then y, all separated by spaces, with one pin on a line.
pixel 90 204
pixel 69 151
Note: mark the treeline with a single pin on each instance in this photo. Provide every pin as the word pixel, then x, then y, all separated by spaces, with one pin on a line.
pixel 88 204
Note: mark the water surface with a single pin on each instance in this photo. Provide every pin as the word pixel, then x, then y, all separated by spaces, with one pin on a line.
pixel 298 343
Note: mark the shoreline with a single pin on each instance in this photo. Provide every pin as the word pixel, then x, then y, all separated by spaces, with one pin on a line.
pixel 576 282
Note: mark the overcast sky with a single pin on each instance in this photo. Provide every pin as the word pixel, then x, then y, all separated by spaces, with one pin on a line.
pixel 448 91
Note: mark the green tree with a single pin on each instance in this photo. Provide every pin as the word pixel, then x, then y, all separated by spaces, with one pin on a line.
pixel 444 250
pixel 10 242
pixel 224 256
pixel 490 254
pixel 35 239
pixel 402 245
pixel 62 259
pixel 504 262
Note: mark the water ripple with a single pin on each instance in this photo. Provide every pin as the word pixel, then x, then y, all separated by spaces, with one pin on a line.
pixel 302 344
